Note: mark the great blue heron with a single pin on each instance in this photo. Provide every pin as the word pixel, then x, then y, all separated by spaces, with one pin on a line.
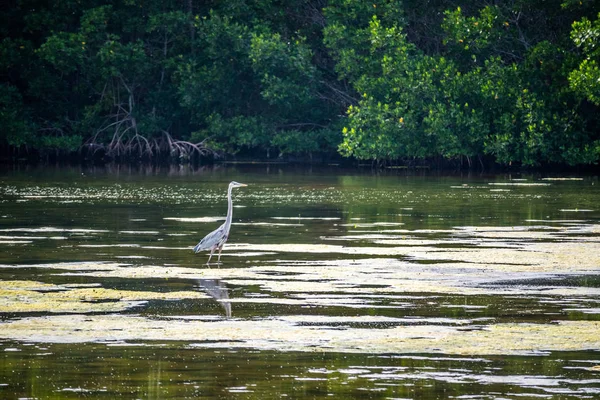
pixel 217 238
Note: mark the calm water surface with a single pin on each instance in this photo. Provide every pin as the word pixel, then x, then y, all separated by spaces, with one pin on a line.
pixel 342 284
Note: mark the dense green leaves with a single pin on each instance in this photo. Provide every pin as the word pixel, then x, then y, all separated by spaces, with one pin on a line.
pixel 495 90
pixel 16 129
pixel 586 79
pixel 516 82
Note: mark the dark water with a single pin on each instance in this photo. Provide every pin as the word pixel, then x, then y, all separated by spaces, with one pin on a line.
pixel 342 284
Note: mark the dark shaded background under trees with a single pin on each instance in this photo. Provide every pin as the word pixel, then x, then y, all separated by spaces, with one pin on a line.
pixel 511 82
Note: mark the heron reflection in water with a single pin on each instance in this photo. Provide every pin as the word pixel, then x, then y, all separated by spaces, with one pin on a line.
pixel 217 289
pixel 217 238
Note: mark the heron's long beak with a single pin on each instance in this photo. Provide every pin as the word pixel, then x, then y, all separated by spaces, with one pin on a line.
pixel 243 184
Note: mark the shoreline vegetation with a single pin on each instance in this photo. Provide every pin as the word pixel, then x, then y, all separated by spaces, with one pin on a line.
pixel 412 84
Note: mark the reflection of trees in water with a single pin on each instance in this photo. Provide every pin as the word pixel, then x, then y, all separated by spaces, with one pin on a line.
pixel 216 289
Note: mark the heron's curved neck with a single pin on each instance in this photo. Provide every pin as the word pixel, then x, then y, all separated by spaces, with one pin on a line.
pixel 229 208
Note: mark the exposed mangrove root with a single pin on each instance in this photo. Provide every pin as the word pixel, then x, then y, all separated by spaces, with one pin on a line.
pixel 142 147
pixel 118 137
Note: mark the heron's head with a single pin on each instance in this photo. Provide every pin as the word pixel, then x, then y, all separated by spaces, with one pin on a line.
pixel 235 184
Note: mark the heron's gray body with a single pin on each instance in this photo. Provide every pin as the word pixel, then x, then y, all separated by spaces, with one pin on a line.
pixel 213 240
pixel 217 238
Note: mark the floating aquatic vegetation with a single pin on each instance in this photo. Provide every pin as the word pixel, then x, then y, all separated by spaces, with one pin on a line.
pixel 288 335
pixel 460 271
pixel 31 296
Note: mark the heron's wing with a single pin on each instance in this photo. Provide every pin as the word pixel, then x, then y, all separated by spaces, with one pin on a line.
pixel 211 239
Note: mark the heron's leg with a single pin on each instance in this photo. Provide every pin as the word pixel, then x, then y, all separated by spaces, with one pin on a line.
pixel 219 259
pixel 211 253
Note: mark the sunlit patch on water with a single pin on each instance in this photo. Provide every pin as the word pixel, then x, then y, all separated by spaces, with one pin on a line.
pixel 562 179
pixel 101 246
pixel 267 224
pixel 522 184
pixel 308 218
pixel 372 225
pixel 576 210
pixel 140 232
pixel 239 389
pixel 196 219
pixel 132 257
pixel 49 229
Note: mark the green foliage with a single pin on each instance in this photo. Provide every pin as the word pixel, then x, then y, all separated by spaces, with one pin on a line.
pixel 285 70
pixel 410 109
pixel 483 97
pixel 380 81
pixel 16 129
pixel 234 134
pixel 246 85
pixel 474 33
pixel 309 143
pixel 218 78
pixel 586 79
pixel 67 143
